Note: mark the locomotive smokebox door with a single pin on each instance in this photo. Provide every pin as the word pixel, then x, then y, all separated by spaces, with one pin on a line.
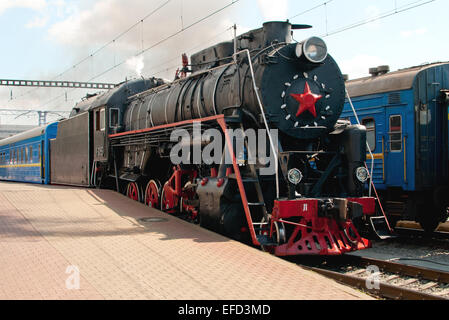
pixel 99 134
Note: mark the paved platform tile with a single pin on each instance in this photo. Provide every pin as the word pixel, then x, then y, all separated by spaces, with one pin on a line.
pixel 46 229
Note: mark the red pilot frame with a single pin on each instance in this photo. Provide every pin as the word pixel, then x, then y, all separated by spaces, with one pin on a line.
pixel 312 233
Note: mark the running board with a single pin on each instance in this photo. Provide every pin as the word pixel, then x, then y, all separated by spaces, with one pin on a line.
pixel 380 228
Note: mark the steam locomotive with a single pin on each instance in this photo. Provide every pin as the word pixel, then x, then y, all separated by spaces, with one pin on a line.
pixel 261 90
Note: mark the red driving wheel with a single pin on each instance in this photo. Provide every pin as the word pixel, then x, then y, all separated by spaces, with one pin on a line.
pixel 168 199
pixel 132 191
pixel 152 193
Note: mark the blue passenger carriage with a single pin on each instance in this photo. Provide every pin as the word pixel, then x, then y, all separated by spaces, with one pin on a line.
pixel 26 157
pixel 406 116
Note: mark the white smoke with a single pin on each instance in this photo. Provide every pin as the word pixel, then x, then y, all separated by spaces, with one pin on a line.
pixel 90 24
pixel 136 64
pixel 274 10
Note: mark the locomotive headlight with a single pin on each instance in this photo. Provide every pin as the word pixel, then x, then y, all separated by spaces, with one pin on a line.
pixel 362 174
pixel 294 176
pixel 314 49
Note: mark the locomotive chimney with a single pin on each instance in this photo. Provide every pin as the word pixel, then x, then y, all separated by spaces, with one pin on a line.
pixel 277 31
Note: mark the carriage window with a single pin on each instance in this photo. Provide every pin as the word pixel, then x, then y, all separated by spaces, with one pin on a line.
pixel 102 119
pixel 31 153
pixel 370 125
pixel 99 120
pixel 17 156
pixel 21 155
pixel 396 133
pixel 26 154
pixel 113 118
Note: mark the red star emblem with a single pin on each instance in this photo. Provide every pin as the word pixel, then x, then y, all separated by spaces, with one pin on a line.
pixel 307 101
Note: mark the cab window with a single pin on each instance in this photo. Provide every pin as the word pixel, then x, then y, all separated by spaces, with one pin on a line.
pixel 114 118
pixel 370 125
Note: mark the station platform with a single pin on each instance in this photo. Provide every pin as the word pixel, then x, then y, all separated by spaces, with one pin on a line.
pixel 49 235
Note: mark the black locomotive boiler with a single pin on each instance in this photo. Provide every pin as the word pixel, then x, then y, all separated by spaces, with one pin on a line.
pixel 260 82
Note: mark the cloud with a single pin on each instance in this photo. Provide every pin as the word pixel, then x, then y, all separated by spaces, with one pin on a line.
pixel 358 66
pixel 94 24
pixel 24 4
pixel 80 28
pixel 273 10
pixel 413 33
pixel 47 10
pixel 38 22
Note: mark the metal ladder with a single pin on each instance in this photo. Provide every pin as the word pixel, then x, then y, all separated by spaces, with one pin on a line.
pixel 249 176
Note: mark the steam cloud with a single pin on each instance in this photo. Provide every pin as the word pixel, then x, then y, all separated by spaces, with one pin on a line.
pixel 91 24
pixel 273 10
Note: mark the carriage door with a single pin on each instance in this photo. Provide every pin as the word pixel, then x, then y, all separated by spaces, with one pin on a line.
pixel 396 173
pixel 99 134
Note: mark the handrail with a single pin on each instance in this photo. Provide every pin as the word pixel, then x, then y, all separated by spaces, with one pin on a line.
pixel 405 159
pixel 262 111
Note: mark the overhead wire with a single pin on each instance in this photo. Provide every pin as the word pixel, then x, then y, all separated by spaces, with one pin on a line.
pixel 113 41
pixel 154 45
pixel 397 10
pixel 310 9
pixel 187 51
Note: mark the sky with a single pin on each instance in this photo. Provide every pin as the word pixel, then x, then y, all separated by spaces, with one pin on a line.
pixel 73 39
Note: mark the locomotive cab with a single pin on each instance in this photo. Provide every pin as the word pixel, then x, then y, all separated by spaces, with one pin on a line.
pixel 82 152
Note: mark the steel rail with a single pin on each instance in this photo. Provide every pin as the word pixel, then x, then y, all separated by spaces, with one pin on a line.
pixel 385 290
pixel 408 270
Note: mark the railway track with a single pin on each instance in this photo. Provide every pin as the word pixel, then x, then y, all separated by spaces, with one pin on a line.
pixel 420 234
pixel 387 279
